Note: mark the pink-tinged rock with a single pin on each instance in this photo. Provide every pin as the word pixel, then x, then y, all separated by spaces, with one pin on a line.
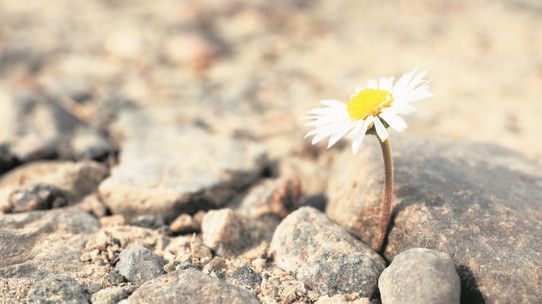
pixel 192 49
pixel 325 256
pixel 227 232
pixel 277 196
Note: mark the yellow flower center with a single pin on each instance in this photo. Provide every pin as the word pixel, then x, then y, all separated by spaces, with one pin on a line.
pixel 368 102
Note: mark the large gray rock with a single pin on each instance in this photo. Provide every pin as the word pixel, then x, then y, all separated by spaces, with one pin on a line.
pixel 190 286
pixel 323 255
pixel 139 264
pixel 420 275
pixel 477 202
pixel 167 169
pixel 57 289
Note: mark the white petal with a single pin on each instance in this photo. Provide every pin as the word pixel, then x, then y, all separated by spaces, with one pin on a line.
pixel 399 107
pixel 359 135
pixel 386 83
pixel 335 137
pixel 394 121
pixel 380 130
pixel 333 103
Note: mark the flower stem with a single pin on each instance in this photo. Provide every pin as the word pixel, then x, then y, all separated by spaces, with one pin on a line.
pixel 385 214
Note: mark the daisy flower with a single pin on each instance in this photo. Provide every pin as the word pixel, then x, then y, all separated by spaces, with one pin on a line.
pixel 370 110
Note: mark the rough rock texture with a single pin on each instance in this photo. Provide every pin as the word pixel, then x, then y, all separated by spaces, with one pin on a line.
pixel 166 169
pixel 190 286
pixel 36 243
pixel 36 197
pixel 111 295
pixel 227 232
pixel 139 264
pixel 276 196
pixel 75 180
pixel 477 202
pixel 38 127
pixel 57 288
pixel 184 223
pixel 323 255
pixel 246 276
pixel 420 275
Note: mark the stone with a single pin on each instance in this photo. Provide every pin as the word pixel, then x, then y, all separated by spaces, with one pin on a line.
pixel 477 202
pixel 160 176
pixel 228 233
pixel 273 196
pixel 139 264
pixel 34 238
pixel 342 299
pixel 190 286
pixel 247 277
pixel 192 49
pixel 8 161
pixel 74 180
pixel 147 221
pixel 184 223
pixel 94 146
pixel 324 256
pixel 111 295
pixel 37 197
pixel 31 110
pixel 420 275
pixel 57 288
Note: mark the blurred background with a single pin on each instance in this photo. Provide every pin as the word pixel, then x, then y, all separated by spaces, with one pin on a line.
pixel 252 68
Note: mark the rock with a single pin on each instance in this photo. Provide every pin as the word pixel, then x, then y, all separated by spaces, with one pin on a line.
pixel 190 286
pixel 477 202
pixel 228 233
pixel 192 49
pixel 147 221
pixel 111 295
pixel 159 175
pixel 342 299
pixel 37 197
pixel 7 159
pixel 34 239
pixel 184 223
pixel 91 145
pixel 74 180
pixel 279 197
pixel 57 288
pixel 420 275
pixel 31 111
pixel 139 264
pixel 247 277
pixel 324 256
pixel 112 220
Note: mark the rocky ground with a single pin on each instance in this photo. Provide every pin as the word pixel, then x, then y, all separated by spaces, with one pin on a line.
pixel 151 152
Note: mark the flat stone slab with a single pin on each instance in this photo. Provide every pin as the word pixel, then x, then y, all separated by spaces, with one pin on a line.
pixel 477 202
pixel 164 168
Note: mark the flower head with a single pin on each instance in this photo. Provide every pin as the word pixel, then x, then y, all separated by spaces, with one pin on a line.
pixel 370 110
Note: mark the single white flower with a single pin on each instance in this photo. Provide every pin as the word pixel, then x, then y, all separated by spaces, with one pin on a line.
pixel 372 109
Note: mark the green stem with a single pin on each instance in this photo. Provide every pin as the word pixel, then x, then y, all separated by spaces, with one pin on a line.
pixel 385 214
